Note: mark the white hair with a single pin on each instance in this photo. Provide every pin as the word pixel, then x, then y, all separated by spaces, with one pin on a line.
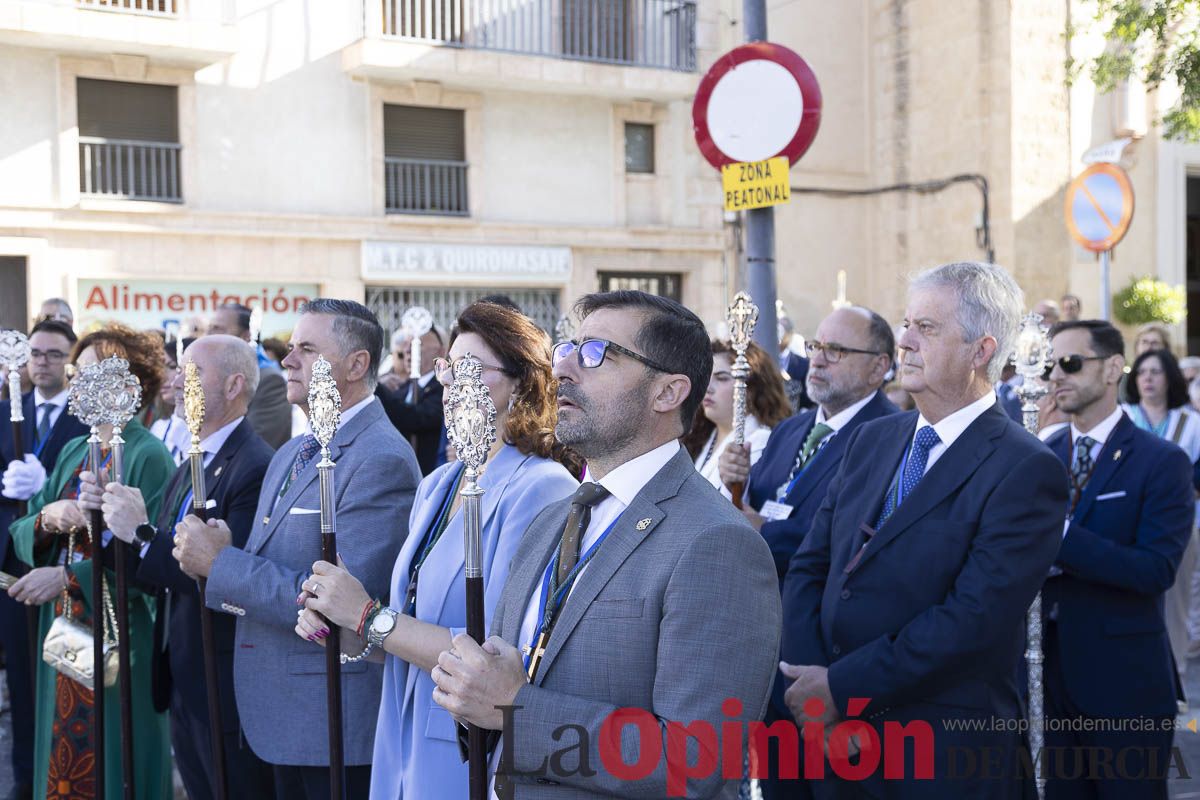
pixel 990 303
pixel 399 338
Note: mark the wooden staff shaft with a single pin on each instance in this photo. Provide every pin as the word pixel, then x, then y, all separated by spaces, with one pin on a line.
pixel 31 612
pixel 124 659
pixel 97 520
pixel 216 735
pixel 333 649
pixel 477 766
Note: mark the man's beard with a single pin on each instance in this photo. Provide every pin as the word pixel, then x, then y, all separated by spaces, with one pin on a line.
pixel 594 433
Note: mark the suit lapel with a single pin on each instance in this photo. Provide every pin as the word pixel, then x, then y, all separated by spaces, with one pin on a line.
pixel 1113 454
pixel 885 460
pixel 951 471
pixel 823 461
pixel 524 579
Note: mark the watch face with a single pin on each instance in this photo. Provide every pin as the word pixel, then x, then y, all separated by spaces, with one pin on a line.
pixel 383 622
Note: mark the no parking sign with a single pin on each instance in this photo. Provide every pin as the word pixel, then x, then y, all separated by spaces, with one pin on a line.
pixel 1099 207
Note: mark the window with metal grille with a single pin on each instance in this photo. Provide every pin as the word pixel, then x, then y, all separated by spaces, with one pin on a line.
pixel 639 148
pixel 389 303
pixel 128 140
pixel 665 284
pixel 425 167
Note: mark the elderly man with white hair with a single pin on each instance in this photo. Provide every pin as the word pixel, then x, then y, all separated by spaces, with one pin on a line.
pixel 906 603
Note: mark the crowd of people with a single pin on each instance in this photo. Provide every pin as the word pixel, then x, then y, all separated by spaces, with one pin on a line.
pixel 862 562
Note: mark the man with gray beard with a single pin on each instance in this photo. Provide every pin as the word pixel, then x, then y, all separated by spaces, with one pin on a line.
pixel 848 360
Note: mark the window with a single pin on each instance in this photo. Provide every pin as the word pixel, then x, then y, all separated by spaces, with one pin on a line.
pixel 639 148
pixel 665 284
pixel 13 311
pixel 425 167
pixel 128 140
pixel 390 303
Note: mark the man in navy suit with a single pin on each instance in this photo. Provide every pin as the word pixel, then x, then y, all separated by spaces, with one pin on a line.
pixel 848 360
pixel 793 366
pixel 47 427
pixel 906 602
pixel 1108 658
pixel 235 460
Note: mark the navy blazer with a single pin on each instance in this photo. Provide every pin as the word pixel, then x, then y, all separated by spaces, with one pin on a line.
pixel 233 479
pixel 421 422
pixel 66 428
pixel 1119 557
pixel 797 370
pixel 926 620
pixel 772 470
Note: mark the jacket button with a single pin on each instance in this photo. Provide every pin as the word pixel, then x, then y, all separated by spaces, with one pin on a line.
pixel 837 650
pixel 845 594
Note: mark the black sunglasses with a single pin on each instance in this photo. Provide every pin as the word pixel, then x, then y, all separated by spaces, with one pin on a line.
pixel 591 353
pixel 1070 364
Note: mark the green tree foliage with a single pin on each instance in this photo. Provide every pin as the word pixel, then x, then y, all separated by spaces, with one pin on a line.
pixel 1155 40
pixel 1149 300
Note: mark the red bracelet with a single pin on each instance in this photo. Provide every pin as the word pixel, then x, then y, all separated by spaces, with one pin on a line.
pixel 362 621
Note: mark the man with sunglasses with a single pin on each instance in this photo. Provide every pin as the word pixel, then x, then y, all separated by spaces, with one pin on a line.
pixel 1108 658
pixel 643 596
pixel 906 601
pixel 848 360
pixel 48 426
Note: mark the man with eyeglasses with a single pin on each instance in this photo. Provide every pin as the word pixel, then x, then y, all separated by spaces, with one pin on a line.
pixel 848 361
pixel 643 596
pixel 1108 657
pixel 906 601
pixel 47 427
pixel 414 407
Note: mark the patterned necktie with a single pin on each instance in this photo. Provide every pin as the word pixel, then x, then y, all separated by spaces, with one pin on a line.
pixel 807 450
pixel 914 470
pixel 1081 467
pixel 309 448
pixel 587 495
pixel 43 426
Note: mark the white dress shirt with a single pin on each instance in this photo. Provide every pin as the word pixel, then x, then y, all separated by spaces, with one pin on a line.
pixel 840 419
pixel 756 436
pixel 58 404
pixel 953 426
pixel 1099 433
pixel 347 413
pixel 174 434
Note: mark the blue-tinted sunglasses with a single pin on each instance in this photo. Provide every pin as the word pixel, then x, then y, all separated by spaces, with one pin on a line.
pixel 591 353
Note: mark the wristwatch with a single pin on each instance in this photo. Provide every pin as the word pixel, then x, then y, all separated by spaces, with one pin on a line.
pixel 381 626
pixel 145 533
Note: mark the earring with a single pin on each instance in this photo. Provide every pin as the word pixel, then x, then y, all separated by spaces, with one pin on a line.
pixel 512 399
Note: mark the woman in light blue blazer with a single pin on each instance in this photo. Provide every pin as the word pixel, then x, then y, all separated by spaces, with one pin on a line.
pixel 416 751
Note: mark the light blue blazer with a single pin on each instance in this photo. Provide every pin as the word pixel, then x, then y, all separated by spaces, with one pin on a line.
pixel 416 745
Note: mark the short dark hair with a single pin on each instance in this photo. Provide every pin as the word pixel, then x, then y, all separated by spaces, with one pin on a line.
pixel 880 337
pixel 1106 339
pixel 55 326
pixel 354 323
pixel 1177 388
pixel 673 336
pixel 243 315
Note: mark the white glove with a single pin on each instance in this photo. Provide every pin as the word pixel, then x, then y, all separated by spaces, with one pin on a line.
pixel 23 479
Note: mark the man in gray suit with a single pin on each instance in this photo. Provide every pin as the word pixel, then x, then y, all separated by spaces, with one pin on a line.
pixel 279 680
pixel 270 413
pixel 644 599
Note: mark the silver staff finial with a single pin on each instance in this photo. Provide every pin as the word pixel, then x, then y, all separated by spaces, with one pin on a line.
pixel 470 414
pixel 14 354
pixel 324 403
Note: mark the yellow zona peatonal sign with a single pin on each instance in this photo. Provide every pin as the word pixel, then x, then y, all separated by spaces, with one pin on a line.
pixel 756 184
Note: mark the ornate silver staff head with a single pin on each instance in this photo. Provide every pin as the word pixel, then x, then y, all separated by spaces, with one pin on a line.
pixel 470 415
pixel 324 405
pixel 741 317
pixel 120 394
pixel 193 403
pixel 83 398
pixel 14 354
pixel 416 322
pixel 1031 355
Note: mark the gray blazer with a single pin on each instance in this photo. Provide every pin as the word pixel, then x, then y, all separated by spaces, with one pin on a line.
pixel 270 413
pixel 673 618
pixel 279 679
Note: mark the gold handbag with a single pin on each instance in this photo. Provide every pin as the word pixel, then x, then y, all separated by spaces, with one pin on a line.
pixel 69 647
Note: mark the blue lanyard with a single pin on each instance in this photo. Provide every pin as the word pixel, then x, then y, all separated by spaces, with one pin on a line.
pixel 560 595
pixel 804 467
pixel 103 464
pixel 432 536
pixel 897 487
pixel 184 509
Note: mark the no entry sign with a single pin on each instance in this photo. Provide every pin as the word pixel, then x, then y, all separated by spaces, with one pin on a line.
pixel 758 101
pixel 1099 207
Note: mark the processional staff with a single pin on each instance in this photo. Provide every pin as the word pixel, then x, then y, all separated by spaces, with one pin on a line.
pixel 416 322
pixel 121 395
pixel 14 354
pixel 471 429
pixel 1031 357
pixel 193 408
pixel 741 317
pixel 324 416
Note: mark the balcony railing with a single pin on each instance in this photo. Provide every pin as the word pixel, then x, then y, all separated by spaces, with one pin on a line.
pixel 646 33
pixel 125 169
pixel 155 8
pixel 423 186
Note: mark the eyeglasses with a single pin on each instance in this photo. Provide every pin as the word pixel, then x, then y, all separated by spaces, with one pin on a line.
pixel 1070 364
pixel 52 356
pixel 443 370
pixel 833 352
pixel 592 352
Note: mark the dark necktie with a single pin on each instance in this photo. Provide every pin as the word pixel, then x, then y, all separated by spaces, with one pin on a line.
pixel 43 426
pixel 1081 467
pixel 309 447
pixel 811 444
pixel 914 470
pixel 586 496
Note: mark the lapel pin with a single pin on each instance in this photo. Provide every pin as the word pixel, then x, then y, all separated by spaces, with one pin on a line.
pixel 643 524
pixel 217 472
pixel 266 520
pixel 1117 456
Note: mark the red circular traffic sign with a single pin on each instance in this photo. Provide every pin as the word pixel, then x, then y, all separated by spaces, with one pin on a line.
pixel 758 101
